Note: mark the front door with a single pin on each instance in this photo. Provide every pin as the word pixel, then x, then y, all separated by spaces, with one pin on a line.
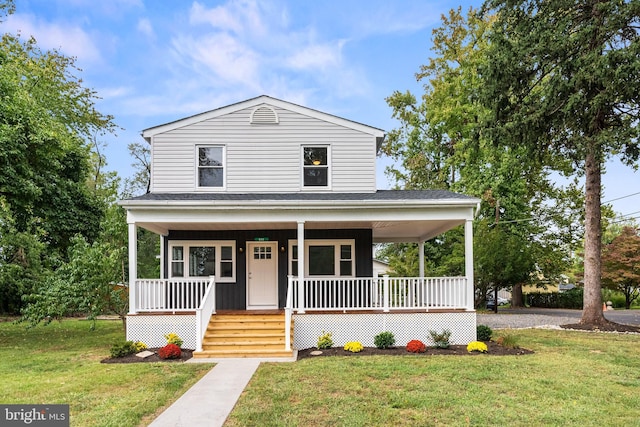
pixel 262 275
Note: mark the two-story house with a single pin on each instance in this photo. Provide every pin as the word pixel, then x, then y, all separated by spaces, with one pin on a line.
pixel 267 212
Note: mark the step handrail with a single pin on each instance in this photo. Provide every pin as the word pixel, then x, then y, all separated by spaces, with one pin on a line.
pixel 204 312
pixel 288 309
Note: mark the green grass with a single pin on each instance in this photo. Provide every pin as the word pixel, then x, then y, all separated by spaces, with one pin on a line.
pixel 60 363
pixel 574 378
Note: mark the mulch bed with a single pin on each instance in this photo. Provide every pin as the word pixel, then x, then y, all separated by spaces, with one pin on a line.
pixel 132 358
pixel 605 327
pixel 494 349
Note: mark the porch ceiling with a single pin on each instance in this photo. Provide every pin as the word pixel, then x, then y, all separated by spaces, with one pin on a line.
pixel 383 231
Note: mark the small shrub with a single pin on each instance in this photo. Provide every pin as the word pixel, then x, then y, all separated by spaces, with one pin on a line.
pixel 483 333
pixel 441 339
pixel 353 346
pixel 508 341
pixel 477 346
pixel 416 346
pixel 123 349
pixel 384 340
pixel 170 351
pixel 325 341
pixel 173 338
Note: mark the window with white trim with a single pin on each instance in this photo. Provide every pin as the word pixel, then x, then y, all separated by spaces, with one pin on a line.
pixel 315 166
pixel 324 258
pixel 203 259
pixel 211 160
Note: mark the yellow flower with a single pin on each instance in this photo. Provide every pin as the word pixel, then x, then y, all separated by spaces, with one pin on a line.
pixel 477 346
pixel 353 346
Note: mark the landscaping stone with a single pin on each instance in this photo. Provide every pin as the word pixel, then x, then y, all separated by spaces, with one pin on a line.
pixel 145 354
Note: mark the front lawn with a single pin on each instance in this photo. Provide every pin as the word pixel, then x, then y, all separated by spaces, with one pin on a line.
pixel 574 378
pixel 60 363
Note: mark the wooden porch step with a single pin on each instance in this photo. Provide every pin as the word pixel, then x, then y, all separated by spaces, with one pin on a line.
pixel 245 335
pixel 244 354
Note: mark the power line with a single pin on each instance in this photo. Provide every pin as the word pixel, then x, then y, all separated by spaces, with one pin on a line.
pixel 629 214
pixel 623 197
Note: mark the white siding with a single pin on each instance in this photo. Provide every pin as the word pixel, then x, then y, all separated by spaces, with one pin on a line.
pixel 263 158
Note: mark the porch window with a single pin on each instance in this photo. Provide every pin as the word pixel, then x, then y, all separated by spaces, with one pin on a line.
pixel 211 166
pixel 315 166
pixel 329 258
pixel 203 259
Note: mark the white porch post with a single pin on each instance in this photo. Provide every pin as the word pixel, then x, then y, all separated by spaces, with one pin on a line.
pixel 421 257
pixel 163 239
pixel 416 286
pixel 468 261
pixel 133 264
pixel 301 258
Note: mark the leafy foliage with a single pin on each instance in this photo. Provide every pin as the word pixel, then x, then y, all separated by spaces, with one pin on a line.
pixel 325 341
pixel 558 89
pixel 570 299
pixel 47 119
pixel 441 144
pixel 173 338
pixel 483 333
pixel 123 349
pixel 384 339
pixel 91 282
pixel 441 339
pixel 621 264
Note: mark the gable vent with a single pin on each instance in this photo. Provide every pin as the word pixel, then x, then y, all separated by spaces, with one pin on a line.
pixel 264 116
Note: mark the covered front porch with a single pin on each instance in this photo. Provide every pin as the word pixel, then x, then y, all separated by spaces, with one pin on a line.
pixel 289 231
pixel 359 307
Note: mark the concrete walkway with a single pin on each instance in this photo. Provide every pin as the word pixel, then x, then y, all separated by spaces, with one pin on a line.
pixel 209 402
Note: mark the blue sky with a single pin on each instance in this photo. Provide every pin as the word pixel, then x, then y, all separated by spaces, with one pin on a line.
pixel 153 62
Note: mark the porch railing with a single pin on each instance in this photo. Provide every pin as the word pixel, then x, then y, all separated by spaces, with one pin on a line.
pixel 204 311
pixel 173 295
pixel 385 293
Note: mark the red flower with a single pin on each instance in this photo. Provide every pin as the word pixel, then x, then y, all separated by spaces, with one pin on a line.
pixel 416 346
pixel 170 351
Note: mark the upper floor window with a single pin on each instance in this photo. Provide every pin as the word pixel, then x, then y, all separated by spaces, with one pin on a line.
pixel 211 166
pixel 315 166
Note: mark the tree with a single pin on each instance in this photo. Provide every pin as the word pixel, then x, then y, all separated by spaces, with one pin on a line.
pixel 440 144
pixel 621 264
pixel 91 283
pixel 560 83
pixel 502 258
pixel 141 181
pixel 46 120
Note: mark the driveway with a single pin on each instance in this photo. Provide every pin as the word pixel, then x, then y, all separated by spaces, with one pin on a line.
pixel 530 317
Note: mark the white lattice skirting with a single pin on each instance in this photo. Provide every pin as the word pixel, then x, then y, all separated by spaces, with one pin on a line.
pixel 364 327
pixel 151 329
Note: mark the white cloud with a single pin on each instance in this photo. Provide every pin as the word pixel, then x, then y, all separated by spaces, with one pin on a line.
pixel 237 16
pixel 325 56
pixel 107 93
pixel 219 56
pixel 144 26
pixel 69 39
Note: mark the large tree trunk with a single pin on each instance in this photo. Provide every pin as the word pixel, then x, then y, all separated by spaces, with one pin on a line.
pixel 592 312
pixel 517 299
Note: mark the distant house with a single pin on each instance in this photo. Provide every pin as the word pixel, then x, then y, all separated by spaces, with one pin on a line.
pixel 380 268
pixel 267 212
